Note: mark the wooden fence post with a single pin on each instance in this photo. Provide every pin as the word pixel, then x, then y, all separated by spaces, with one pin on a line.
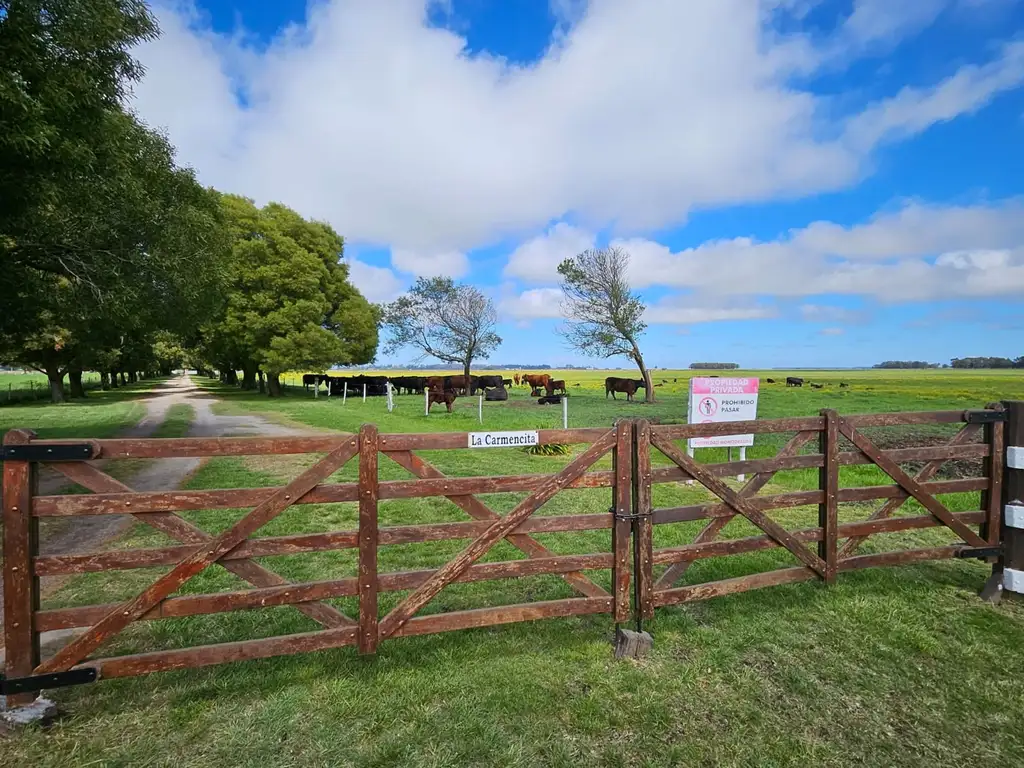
pixel 368 492
pixel 622 492
pixel 828 482
pixel 1011 565
pixel 21 586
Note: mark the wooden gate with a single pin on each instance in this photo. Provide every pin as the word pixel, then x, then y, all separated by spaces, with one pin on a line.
pixel 830 547
pixel 237 549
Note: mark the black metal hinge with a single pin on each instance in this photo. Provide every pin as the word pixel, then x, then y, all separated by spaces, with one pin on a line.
pixel 12 685
pixel 49 452
pixel 629 515
pixel 986 416
pixel 980 552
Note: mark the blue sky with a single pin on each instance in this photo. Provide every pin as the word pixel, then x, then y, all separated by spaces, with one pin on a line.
pixel 798 182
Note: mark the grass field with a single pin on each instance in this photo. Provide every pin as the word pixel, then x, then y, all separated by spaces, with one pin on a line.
pixel 23 387
pixel 889 667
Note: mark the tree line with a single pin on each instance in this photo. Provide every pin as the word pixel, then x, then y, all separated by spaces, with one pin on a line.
pixel 957 362
pixel 114 258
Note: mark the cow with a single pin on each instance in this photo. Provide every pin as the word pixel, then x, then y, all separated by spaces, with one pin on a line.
pixel 445 383
pixel 413 385
pixel 817 386
pixel 495 394
pixel 794 381
pixel 536 380
pixel 484 382
pixel 613 384
pixel 447 397
pixel 843 385
pixel 555 386
pixel 515 378
pixel 770 381
pixel 506 382
pixel 549 400
pixel 309 379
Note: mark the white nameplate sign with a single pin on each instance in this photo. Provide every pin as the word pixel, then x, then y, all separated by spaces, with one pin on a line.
pixel 503 439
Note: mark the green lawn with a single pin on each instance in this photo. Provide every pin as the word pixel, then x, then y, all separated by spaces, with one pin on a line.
pixel 29 386
pixel 900 666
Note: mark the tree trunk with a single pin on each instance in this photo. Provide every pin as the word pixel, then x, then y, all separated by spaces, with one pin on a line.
pixel 56 378
pixel 466 365
pixel 104 380
pixel 113 380
pixel 133 377
pixel 124 378
pixel 249 376
pixel 75 379
pixel 262 381
pixel 231 377
pixel 649 389
pixel 273 385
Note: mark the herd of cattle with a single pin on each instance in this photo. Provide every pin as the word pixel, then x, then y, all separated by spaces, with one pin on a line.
pixel 796 381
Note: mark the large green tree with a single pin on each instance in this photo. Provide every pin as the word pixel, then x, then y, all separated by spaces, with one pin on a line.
pixel 289 304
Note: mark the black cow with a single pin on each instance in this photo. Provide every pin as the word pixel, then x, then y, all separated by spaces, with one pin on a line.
pixel 843 385
pixel 495 394
pixel 794 381
pixel 770 381
pixel 484 382
pixel 549 400
pixel 413 385
pixel 817 386
pixel 310 379
pixel 507 382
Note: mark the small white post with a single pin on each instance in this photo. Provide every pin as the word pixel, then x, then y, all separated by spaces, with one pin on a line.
pixel 316 388
pixel 364 392
pixel 426 401
pixel 690 453
pixel 743 457
pixel 391 401
pixel 480 407
pixel 344 394
pixel 565 411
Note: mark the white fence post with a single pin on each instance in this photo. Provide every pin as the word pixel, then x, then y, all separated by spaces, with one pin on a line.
pixel 743 457
pixel 565 411
pixel 364 392
pixel 344 394
pixel 689 452
pixel 480 407
pixel 426 401
pixel 391 400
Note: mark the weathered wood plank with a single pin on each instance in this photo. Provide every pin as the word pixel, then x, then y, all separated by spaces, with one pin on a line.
pixel 923 476
pixel 912 486
pixel 741 505
pixel 756 426
pixel 621 499
pixel 449 440
pixel 694 592
pixel 293 594
pixel 368 478
pixel 204 555
pixel 20 585
pixel 498 530
pixel 644 526
pixel 476 509
pixel 828 483
pixel 718 522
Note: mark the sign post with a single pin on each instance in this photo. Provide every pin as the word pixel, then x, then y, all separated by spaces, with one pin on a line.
pixel 715 400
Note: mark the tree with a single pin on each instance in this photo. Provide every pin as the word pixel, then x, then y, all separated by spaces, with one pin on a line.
pixel 449 321
pixel 604 316
pixel 289 304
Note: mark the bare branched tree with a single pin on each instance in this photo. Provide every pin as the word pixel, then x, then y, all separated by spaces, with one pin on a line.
pixel 451 322
pixel 604 315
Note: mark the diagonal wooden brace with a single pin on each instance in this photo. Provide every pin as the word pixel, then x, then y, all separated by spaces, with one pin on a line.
pixel 476 509
pixel 890 507
pixel 909 484
pixel 714 527
pixel 91 478
pixel 205 555
pixel 497 531
pixel 734 500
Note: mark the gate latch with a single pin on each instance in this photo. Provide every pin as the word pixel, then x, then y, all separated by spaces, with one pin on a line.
pixel 979 552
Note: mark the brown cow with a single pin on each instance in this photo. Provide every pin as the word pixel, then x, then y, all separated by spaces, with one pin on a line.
pixel 446 383
pixel 536 380
pixel 515 378
pixel 556 385
pixel 436 396
pixel 614 384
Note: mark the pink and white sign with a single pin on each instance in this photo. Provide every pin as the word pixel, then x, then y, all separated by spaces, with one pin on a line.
pixel 718 400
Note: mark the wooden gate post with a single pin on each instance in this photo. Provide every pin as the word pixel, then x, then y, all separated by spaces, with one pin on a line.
pixel 1011 565
pixel 369 632
pixel 21 586
pixel 622 494
pixel 828 482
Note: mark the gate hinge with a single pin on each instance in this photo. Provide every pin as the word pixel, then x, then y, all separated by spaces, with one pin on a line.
pixel 49 452
pixel 985 416
pixel 979 552
pixel 12 685
pixel 629 515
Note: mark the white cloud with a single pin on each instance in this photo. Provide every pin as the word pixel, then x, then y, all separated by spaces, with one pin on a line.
pixel 832 331
pixel 452 264
pixel 377 284
pixel 916 253
pixel 389 129
pixel 537 259
pixel 680 310
pixel 913 110
pixel 534 304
